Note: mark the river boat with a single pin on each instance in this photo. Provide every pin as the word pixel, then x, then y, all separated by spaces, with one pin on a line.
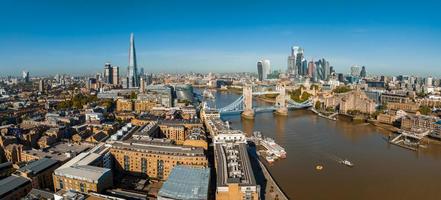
pixel 207 94
pixel 347 163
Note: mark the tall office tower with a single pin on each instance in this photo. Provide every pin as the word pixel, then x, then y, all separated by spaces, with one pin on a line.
pixel 25 76
pixel 299 61
pixel 41 85
pixel 429 81
pixel 355 70
pixel 292 68
pixel 363 72
pixel 312 71
pixel 319 70
pixel 260 70
pixel 304 67
pixel 141 84
pixel 326 69
pixel 263 69
pixel 331 69
pixel 132 69
pixel 107 75
pixel 115 75
pixel 141 71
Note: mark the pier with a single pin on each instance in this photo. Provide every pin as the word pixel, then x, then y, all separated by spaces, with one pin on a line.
pixel 409 139
pixel 330 117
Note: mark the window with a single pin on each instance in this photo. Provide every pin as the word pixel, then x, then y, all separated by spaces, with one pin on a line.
pixel 160 167
pixel 143 165
pixel 61 183
pixel 82 187
pixel 126 163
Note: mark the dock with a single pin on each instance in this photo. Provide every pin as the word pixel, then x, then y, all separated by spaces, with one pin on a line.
pixel 409 139
pixel 330 117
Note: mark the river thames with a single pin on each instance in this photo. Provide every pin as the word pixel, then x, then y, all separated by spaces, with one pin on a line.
pixel 382 170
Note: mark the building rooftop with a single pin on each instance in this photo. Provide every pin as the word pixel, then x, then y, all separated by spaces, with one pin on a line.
pixel 39 194
pixel 233 165
pixel 10 183
pixel 5 165
pixel 186 183
pixel 165 148
pixel 38 166
pixel 83 172
pixel 61 151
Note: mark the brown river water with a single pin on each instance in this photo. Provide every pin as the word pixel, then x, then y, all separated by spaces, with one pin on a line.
pixel 381 171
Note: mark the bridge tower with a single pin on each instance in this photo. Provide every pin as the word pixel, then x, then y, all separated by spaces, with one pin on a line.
pixel 248 111
pixel 281 106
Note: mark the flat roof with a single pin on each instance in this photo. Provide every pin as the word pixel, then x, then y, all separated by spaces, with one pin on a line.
pixel 83 172
pixel 58 151
pixel 157 147
pixel 186 183
pixel 10 183
pixel 38 166
pixel 233 168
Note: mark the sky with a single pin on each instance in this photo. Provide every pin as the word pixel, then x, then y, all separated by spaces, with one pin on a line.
pixel 78 37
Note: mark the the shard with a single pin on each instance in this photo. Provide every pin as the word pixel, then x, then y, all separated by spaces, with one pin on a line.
pixel 132 69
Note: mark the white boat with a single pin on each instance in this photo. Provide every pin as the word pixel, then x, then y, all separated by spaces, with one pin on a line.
pixel 223 88
pixel 207 94
pixel 273 148
pixel 347 163
pixel 270 159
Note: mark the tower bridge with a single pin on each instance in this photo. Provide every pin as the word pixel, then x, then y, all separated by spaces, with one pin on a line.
pixel 244 104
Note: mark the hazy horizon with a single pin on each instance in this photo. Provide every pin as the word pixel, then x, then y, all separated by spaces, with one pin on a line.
pixel 49 37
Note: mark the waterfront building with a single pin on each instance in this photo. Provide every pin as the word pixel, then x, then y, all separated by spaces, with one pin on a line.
pixel 235 178
pixel 350 101
pixel 186 183
pixel 234 174
pixel 14 187
pixel 132 69
pixel 154 159
pixel 39 172
pixel 419 122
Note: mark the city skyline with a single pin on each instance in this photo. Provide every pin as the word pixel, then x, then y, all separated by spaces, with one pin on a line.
pixel 206 39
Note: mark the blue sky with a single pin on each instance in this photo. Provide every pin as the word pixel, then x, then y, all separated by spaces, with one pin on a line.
pixel 48 37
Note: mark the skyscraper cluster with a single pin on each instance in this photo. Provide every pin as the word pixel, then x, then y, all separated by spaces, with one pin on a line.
pixel 111 74
pixel 298 66
pixel 263 69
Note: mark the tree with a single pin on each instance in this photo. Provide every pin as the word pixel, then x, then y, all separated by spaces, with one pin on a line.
pixel 318 105
pixel 342 89
pixel 133 95
pixel 425 110
pixel 314 87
